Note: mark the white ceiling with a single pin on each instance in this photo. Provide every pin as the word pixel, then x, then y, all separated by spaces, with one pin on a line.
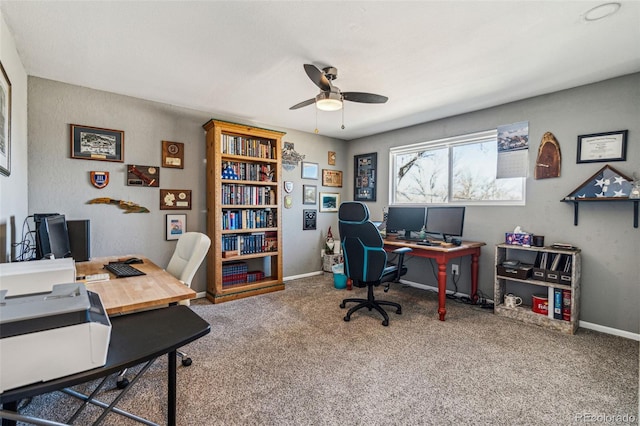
pixel 243 60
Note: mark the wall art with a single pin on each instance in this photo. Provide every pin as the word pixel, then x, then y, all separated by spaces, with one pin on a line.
pixel 332 178
pixel 96 143
pixel 5 122
pixel 309 194
pixel 602 147
pixel 176 226
pixel 365 169
pixel 329 201
pixel 175 199
pixel 309 170
pixel 309 219
pixel 173 154
pixel 143 175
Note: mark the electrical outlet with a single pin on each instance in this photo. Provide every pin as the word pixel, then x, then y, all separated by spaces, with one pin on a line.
pixel 454 269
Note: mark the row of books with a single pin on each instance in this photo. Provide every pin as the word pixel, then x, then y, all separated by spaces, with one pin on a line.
pixel 248 219
pixel 249 147
pixel 559 304
pixel 234 273
pixel 247 195
pixel 248 171
pixel 260 242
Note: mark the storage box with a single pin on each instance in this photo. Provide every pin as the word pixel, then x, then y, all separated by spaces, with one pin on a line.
pixel 539 274
pixel 328 260
pixel 521 272
pixel 518 239
pixel 552 276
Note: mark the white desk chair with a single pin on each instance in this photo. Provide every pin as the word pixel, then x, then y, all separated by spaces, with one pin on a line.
pixel 190 251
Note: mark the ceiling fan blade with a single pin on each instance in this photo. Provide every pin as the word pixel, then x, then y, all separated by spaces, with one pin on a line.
pixel 304 103
pixel 317 77
pixel 367 98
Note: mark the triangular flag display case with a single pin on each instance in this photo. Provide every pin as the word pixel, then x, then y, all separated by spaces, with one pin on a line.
pixel 608 184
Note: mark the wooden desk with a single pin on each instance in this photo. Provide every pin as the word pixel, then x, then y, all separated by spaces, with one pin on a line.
pixel 124 295
pixel 442 255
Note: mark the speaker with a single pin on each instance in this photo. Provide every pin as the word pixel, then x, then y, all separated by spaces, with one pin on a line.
pixel 79 239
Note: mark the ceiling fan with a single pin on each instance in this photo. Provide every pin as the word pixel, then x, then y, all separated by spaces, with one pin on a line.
pixel 330 97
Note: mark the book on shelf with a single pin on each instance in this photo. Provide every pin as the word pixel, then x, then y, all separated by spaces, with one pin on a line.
pixel 566 305
pixel 557 303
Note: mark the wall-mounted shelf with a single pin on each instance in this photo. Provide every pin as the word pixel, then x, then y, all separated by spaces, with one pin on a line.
pixel 576 202
pixel 606 185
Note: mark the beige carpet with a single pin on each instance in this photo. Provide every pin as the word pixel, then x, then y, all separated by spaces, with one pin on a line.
pixel 288 358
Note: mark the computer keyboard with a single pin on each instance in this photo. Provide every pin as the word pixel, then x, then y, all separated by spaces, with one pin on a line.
pixel 122 270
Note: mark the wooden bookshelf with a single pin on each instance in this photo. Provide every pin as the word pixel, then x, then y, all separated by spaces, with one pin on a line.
pixel 244 173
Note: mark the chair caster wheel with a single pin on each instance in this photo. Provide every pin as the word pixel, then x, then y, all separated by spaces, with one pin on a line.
pixel 121 384
pixel 186 362
pixel 347 319
pixel 385 323
pixel 399 312
pixel 342 305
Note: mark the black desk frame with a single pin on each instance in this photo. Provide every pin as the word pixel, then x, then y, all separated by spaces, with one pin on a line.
pixel 135 339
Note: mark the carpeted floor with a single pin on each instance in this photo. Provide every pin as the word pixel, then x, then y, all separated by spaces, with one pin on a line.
pixel 288 358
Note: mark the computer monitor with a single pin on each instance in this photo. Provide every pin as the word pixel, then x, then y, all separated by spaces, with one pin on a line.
pixel 56 240
pixel 409 219
pixel 445 221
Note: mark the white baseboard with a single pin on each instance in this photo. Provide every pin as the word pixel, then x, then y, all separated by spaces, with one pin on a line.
pixel 583 324
pixel 609 330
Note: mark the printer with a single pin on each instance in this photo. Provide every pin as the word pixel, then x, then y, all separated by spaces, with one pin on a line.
pixel 51 334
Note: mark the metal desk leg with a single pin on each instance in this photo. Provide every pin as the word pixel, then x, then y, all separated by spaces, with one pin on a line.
pixel 171 389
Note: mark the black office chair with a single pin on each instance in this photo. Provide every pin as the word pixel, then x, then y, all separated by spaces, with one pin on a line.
pixel 365 260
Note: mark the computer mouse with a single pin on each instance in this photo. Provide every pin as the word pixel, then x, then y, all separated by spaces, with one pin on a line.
pixel 132 260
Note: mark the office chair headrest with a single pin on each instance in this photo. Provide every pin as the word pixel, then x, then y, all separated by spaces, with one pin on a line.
pixel 354 212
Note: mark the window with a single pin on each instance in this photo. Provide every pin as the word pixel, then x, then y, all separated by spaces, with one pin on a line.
pixel 457 170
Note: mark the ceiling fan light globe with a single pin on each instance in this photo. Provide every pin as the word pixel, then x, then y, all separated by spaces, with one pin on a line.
pixel 328 101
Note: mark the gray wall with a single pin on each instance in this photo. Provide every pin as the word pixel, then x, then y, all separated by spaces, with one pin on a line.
pixel 610 245
pixel 58 183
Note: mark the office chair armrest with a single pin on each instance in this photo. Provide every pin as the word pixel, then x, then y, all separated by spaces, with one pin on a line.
pixel 400 252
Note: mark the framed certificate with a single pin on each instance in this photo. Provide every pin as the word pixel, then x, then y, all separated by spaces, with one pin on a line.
pixel 602 147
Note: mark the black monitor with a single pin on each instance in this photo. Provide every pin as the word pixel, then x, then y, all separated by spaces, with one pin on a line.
pixel 409 219
pixel 445 221
pixel 55 238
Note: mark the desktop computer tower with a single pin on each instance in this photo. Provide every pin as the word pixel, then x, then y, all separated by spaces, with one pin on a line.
pixel 79 239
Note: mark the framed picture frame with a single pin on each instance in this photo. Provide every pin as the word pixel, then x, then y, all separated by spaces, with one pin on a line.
pixel 309 194
pixel 97 143
pixel 332 178
pixel 176 226
pixel 309 219
pixel 602 147
pixel 147 176
pixel 331 158
pixel 5 122
pixel 173 154
pixel 309 170
pixel 329 202
pixel 175 199
pixel 365 171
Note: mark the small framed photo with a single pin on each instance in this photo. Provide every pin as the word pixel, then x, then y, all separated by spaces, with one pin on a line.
pixel 96 143
pixel 175 199
pixel 173 154
pixel 332 178
pixel 329 201
pixel 602 147
pixel 309 170
pixel 309 194
pixel 176 226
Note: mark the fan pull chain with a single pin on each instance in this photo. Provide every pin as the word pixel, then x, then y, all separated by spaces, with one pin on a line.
pixel 342 127
pixel 316 131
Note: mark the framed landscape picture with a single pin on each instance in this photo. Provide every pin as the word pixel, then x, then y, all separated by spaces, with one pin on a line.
pixel 5 122
pixel 329 201
pixel 95 143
